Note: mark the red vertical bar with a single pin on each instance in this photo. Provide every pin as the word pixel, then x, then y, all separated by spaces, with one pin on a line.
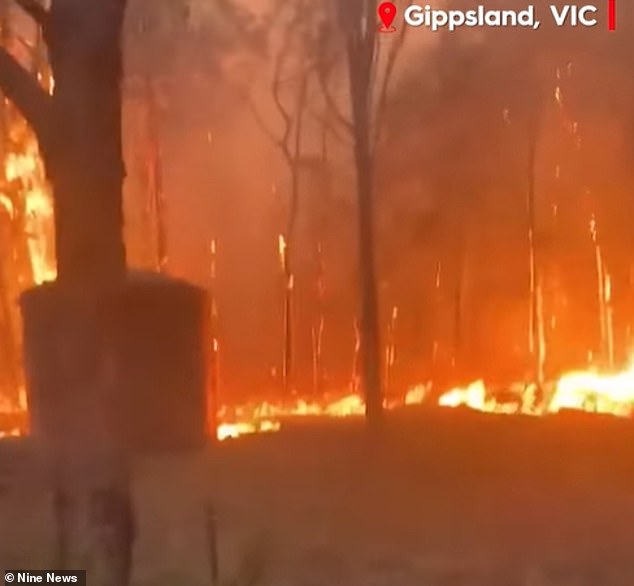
pixel 612 15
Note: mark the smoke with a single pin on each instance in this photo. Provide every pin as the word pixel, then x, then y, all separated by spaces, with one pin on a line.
pixel 453 170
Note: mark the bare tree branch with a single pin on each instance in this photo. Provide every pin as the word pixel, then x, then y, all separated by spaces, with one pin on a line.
pixel 276 92
pixel 395 50
pixel 331 103
pixel 276 140
pixel 19 86
pixel 286 117
pixel 35 10
pixel 297 155
pixel 325 122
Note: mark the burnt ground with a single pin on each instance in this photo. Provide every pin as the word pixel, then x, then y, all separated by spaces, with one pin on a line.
pixel 445 499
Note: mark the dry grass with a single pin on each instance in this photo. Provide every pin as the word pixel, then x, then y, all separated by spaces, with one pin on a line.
pixel 444 500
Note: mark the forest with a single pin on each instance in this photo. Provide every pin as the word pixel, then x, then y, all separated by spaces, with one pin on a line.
pixel 225 217
pixel 499 144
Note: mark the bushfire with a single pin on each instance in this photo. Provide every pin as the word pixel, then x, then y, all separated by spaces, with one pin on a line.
pixel 26 206
pixel 589 391
pixel 26 199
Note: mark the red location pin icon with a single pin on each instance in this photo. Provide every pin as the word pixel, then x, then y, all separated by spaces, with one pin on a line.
pixel 387 14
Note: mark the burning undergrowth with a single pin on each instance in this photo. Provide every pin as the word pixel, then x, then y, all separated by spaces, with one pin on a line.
pixel 589 391
pixel 532 184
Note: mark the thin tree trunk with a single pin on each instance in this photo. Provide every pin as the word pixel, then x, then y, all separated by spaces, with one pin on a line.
pixel 459 295
pixel 536 329
pixel 390 352
pixel 325 191
pixel 214 373
pixel 369 320
pixel 357 18
pixel 293 161
pixel 319 324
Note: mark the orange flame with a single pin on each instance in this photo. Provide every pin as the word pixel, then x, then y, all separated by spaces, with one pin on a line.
pixel 27 168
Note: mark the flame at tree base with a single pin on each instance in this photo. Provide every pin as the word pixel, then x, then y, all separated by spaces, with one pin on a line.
pixel 589 391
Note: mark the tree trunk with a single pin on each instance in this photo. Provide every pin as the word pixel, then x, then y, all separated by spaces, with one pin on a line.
pixel 369 319
pixel 361 53
pixel 79 131
pixel 83 153
pixel 369 316
pixel 83 149
pixel 536 342
pixel 293 160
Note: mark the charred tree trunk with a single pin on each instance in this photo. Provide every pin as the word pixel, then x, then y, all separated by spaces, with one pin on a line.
pixel 83 152
pixel 82 144
pixel 357 18
pixel 369 320
pixel 324 186
pixel 293 159
pixel 79 131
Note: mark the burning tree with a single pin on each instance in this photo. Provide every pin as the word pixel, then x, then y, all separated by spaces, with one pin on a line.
pixel 291 75
pixel 93 353
pixel 180 31
pixel 294 75
pixel 25 213
pixel 498 123
pixel 84 167
pixel 368 78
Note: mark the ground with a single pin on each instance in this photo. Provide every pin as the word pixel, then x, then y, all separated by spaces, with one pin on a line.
pixel 444 499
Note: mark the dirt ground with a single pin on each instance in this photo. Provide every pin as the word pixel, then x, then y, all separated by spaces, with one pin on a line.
pixel 445 499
